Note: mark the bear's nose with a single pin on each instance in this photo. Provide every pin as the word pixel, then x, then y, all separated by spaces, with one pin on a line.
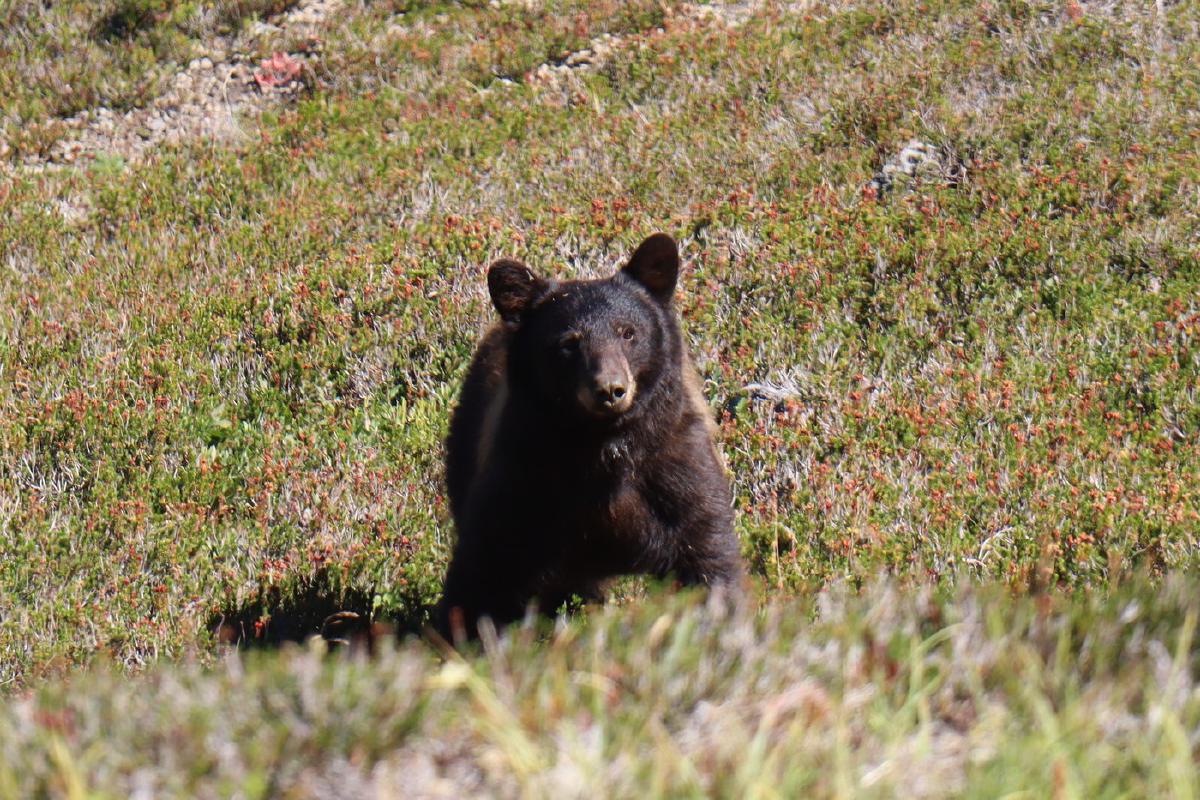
pixel 611 393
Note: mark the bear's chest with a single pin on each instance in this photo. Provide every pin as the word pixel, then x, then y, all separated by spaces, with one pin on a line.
pixel 607 536
pixel 628 521
pixel 625 512
pixel 613 502
pixel 593 507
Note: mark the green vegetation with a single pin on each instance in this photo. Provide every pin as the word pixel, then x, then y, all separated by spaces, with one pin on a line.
pixel 225 374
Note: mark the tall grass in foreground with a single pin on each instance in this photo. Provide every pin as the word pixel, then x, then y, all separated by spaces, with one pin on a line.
pixel 879 693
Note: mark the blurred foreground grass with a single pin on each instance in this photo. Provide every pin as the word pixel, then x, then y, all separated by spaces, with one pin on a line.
pixel 878 693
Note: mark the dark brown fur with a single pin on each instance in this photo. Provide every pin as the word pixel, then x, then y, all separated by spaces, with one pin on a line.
pixel 582 448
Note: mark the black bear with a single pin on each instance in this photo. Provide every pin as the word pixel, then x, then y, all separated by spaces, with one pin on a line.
pixel 582 447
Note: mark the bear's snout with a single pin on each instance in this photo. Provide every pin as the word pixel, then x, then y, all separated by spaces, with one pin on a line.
pixel 612 388
pixel 613 394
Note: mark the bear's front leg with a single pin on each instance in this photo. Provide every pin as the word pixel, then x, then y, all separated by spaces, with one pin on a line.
pixel 488 577
pixel 708 555
pixel 690 499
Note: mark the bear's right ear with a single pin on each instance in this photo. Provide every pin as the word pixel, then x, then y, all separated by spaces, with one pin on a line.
pixel 513 287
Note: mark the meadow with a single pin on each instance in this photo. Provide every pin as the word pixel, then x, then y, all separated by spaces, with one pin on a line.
pixel 960 407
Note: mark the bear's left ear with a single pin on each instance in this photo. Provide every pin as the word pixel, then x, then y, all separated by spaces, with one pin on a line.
pixel 655 265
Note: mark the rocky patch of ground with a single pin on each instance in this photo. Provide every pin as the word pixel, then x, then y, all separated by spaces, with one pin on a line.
pixel 212 97
pixel 216 96
pixel 560 75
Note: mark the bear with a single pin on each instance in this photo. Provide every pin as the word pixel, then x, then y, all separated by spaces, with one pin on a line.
pixel 582 448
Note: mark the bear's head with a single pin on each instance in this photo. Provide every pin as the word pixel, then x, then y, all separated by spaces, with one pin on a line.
pixel 591 351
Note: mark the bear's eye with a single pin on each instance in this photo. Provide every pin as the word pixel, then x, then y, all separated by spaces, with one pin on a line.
pixel 627 333
pixel 568 344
